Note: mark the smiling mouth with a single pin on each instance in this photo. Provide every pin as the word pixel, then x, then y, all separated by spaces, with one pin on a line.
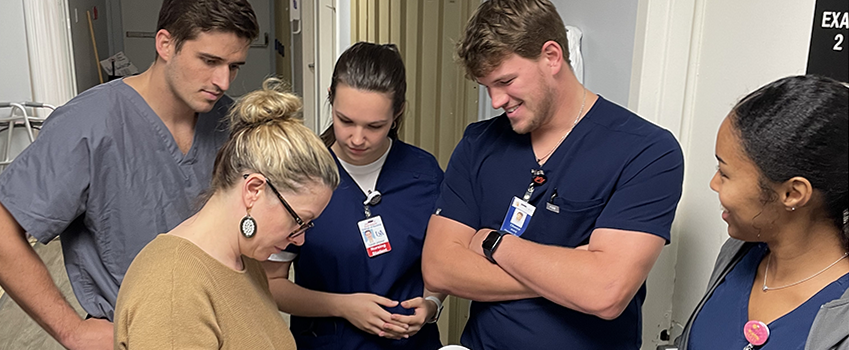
pixel 513 109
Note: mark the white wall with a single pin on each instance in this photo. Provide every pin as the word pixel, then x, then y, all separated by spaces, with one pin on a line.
pixel 14 70
pixel 139 16
pixel 608 43
pixel 84 60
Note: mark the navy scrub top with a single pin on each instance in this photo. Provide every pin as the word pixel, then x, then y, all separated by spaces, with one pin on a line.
pixel 334 259
pixel 719 325
pixel 615 170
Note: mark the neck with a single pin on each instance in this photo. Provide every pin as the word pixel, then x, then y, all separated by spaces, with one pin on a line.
pixel 803 248
pixel 204 229
pixel 568 98
pixel 154 89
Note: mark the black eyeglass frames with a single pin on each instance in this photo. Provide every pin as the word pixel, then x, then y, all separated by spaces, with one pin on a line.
pixel 303 226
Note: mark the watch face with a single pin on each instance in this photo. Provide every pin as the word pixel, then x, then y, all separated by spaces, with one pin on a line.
pixel 490 240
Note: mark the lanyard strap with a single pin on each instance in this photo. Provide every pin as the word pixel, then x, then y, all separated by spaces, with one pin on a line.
pixel 538 179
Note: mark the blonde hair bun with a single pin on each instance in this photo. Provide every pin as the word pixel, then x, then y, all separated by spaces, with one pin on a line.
pixel 273 103
pixel 267 135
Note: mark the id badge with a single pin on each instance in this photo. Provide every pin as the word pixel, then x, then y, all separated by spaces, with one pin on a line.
pixel 374 236
pixel 518 217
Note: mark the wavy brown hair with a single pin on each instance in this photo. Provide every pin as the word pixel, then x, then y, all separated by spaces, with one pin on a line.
pixel 503 27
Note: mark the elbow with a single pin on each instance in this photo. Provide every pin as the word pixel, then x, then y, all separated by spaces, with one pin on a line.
pixel 610 312
pixel 609 305
pixel 434 279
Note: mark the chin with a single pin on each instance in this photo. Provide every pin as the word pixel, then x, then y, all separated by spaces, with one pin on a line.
pixel 519 128
pixel 205 107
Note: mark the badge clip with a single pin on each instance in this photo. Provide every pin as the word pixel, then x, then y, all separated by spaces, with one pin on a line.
pixel 372 199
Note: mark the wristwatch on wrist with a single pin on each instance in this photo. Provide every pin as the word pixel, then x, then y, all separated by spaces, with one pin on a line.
pixel 491 242
pixel 439 307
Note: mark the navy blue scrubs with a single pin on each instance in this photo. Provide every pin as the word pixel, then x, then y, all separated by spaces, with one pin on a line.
pixel 616 170
pixel 719 325
pixel 334 259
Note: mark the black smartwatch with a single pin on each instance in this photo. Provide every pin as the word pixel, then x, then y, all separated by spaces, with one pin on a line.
pixel 491 242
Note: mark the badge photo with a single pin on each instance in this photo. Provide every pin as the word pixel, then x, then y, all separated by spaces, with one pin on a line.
pixel 518 217
pixel 374 236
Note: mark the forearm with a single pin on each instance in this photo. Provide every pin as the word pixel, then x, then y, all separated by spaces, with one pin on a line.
pixel 456 270
pixel 597 281
pixel 582 284
pixel 299 301
pixel 25 278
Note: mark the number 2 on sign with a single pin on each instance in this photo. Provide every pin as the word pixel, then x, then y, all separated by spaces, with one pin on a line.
pixel 839 41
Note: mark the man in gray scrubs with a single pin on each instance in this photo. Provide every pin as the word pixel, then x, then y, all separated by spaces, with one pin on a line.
pixel 119 164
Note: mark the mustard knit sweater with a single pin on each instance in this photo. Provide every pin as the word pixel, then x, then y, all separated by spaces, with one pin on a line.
pixel 175 296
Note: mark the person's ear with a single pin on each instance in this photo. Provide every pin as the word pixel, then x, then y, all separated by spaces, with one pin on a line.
pixel 552 55
pixel 795 192
pixel 400 112
pixel 252 188
pixel 165 47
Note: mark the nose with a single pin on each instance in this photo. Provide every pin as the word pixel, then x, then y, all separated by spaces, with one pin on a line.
pixel 358 138
pixel 298 241
pixel 499 98
pixel 714 182
pixel 221 77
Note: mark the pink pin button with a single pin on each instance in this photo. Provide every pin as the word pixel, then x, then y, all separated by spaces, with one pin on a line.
pixel 756 332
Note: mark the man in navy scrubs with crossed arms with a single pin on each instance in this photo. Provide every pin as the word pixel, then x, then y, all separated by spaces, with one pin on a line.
pixel 596 184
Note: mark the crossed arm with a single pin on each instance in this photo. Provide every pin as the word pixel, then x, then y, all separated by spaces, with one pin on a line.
pixel 598 279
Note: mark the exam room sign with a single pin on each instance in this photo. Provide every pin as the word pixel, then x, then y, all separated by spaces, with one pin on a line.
pixel 829 51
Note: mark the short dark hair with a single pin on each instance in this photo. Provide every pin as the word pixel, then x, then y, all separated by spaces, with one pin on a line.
pixel 503 27
pixel 798 126
pixel 185 19
pixel 371 67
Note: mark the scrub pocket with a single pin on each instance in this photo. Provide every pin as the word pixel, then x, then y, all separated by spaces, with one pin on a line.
pixel 570 227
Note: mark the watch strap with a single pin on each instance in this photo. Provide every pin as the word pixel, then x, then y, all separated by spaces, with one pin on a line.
pixel 439 307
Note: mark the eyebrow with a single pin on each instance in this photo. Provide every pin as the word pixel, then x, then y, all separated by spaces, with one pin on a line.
pixel 720 159
pixel 220 59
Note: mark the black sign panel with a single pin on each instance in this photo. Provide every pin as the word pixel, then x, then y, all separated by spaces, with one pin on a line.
pixel 829 53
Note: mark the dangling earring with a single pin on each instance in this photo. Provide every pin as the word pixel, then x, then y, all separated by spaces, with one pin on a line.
pixel 248 225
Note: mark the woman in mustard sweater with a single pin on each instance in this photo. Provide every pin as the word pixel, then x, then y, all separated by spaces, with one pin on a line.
pixel 201 286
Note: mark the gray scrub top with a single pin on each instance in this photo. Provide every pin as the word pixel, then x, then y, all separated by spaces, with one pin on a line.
pixel 107 175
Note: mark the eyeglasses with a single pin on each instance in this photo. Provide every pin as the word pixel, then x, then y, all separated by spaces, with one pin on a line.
pixel 303 226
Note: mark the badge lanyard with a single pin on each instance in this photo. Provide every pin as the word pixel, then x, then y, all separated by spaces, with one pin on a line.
pixel 538 179
pixel 371 229
pixel 520 212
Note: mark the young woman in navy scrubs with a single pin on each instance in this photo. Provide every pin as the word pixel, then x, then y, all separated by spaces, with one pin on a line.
pixel 358 281
pixel 781 281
